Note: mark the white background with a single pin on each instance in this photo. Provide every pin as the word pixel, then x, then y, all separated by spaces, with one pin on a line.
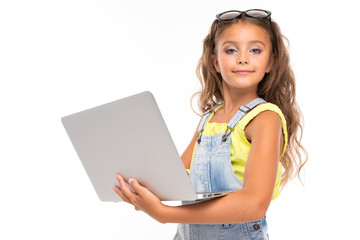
pixel 60 57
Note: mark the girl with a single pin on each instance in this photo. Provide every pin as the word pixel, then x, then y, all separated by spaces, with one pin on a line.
pixel 247 138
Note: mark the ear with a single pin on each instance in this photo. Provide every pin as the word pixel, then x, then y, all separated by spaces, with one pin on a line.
pixel 215 63
pixel 270 64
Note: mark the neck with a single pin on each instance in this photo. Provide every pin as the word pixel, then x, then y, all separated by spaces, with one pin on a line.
pixel 235 98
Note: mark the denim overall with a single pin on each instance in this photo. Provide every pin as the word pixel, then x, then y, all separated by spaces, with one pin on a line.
pixel 211 171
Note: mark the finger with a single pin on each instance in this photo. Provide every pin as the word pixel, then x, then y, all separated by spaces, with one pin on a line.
pixel 136 186
pixel 123 185
pixel 121 195
pixel 126 190
pixel 142 192
pixel 120 180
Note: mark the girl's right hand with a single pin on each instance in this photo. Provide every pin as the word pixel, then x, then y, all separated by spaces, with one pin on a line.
pixel 141 198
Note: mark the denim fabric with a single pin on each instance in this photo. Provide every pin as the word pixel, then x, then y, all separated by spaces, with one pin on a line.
pixel 211 171
pixel 256 230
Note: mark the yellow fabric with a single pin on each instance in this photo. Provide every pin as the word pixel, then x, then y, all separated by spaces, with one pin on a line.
pixel 239 155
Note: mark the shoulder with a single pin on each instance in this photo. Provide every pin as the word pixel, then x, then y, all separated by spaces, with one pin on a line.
pixel 267 118
pixel 264 120
pixel 261 113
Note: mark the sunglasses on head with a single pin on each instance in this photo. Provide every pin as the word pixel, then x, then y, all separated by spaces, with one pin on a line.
pixel 252 13
pixel 234 14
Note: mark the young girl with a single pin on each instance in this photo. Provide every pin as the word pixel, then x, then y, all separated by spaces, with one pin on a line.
pixel 247 138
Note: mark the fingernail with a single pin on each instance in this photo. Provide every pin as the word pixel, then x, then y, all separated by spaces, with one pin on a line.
pixel 130 180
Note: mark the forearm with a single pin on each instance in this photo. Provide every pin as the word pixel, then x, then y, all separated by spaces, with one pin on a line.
pixel 237 207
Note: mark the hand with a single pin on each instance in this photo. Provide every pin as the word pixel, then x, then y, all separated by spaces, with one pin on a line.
pixel 142 199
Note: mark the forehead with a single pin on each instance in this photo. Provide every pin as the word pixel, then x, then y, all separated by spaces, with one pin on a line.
pixel 244 32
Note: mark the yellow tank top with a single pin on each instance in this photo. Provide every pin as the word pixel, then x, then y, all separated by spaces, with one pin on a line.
pixel 240 153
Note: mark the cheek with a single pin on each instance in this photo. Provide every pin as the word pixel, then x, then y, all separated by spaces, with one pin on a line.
pixel 224 62
pixel 261 63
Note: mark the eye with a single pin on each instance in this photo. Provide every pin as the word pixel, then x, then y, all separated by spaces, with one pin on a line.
pixel 255 50
pixel 231 51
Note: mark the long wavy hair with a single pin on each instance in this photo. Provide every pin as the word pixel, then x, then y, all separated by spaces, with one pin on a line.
pixel 277 87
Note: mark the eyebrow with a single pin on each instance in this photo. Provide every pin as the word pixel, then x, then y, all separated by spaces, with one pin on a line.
pixel 251 42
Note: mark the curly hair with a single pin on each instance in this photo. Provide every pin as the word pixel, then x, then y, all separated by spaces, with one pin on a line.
pixel 277 87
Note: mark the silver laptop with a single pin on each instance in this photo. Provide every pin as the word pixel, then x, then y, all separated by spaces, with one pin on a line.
pixel 130 137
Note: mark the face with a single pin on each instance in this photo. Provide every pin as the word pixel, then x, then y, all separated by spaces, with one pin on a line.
pixel 243 56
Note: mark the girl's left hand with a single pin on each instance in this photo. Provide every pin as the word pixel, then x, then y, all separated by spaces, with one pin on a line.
pixel 142 199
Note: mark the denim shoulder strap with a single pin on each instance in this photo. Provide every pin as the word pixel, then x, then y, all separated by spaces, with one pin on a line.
pixel 239 115
pixel 243 111
pixel 207 114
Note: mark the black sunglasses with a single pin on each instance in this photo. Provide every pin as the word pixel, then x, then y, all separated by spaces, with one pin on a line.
pixel 234 14
pixel 252 13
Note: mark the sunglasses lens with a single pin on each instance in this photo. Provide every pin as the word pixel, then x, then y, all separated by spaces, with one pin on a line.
pixel 257 13
pixel 228 16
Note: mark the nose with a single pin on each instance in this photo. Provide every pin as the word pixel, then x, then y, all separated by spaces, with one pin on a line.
pixel 243 59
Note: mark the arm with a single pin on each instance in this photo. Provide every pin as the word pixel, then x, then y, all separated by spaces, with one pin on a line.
pixel 247 204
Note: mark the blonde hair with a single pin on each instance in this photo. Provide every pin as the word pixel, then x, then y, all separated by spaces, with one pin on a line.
pixel 277 87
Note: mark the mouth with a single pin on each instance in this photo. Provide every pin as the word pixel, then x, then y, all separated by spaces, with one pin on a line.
pixel 243 72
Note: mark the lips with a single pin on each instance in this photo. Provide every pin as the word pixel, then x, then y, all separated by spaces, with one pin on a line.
pixel 243 71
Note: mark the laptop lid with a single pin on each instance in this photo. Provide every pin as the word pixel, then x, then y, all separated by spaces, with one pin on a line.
pixel 129 137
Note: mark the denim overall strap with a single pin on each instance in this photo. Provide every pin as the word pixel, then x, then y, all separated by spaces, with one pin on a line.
pixel 207 114
pixel 240 114
pixel 243 111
